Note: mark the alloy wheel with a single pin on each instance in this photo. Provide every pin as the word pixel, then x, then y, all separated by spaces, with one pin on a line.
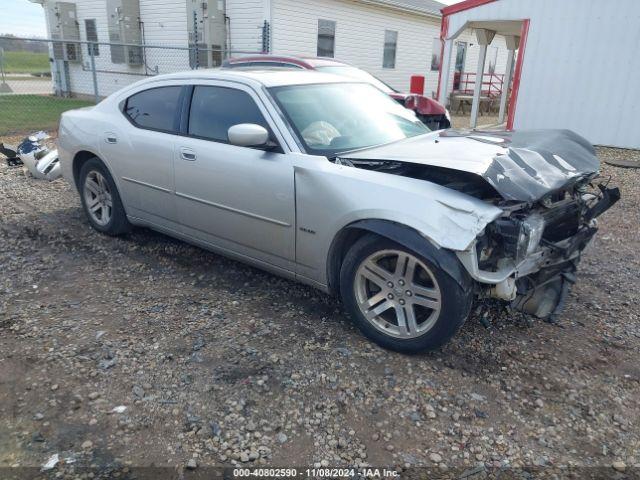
pixel 97 196
pixel 398 294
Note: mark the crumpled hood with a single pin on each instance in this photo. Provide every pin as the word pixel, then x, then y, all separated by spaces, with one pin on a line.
pixel 522 165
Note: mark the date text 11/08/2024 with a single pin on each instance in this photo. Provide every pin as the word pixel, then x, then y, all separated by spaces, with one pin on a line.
pixel 314 473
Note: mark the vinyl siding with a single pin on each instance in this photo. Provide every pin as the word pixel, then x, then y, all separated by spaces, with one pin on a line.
pixel 360 30
pixel 580 66
pixel 164 24
pixel 246 19
pixel 359 37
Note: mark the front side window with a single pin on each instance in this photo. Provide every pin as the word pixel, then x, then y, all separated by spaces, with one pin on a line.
pixel 331 118
pixel 390 47
pixel 326 38
pixel 155 109
pixel 214 110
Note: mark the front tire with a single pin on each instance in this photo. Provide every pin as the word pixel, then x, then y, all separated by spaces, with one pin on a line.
pixel 399 299
pixel 101 200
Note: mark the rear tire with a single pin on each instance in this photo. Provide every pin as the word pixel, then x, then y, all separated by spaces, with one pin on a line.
pixel 101 200
pixel 399 299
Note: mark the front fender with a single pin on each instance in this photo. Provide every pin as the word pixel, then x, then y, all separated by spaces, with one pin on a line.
pixel 331 197
pixel 405 236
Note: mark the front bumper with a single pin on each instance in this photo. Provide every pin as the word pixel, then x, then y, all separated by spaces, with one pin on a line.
pixel 545 257
pixel 543 284
pixel 539 283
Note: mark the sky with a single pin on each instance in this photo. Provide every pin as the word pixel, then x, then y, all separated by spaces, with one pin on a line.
pixel 22 18
pixel 26 19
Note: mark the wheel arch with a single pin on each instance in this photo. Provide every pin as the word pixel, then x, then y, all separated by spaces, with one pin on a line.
pixel 404 235
pixel 79 159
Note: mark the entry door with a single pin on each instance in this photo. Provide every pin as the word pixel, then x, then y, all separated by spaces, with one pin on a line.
pixel 141 151
pixel 237 198
pixel 461 56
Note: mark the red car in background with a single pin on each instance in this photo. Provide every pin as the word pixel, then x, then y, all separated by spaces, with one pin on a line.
pixel 430 112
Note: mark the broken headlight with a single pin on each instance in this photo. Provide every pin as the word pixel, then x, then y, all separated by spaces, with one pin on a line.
pixel 531 231
pixel 519 237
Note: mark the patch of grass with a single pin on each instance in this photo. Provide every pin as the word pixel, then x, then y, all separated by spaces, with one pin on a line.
pixel 26 62
pixel 28 113
pixel 12 79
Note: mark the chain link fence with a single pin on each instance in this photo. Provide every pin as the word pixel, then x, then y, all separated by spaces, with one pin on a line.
pixel 40 79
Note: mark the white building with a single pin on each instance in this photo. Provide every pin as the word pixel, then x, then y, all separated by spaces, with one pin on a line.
pixel 577 66
pixel 392 39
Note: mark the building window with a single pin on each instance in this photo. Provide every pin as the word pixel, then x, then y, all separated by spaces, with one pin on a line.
pixel 326 38
pixel 493 59
pixel 390 47
pixel 92 36
pixel 436 51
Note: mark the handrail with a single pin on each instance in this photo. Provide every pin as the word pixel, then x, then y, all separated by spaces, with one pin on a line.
pixel 466 82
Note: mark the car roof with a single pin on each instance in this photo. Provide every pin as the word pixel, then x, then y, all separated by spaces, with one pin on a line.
pixel 268 77
pixel 324 62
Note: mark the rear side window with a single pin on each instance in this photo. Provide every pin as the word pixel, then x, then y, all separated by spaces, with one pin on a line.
pixel 155 109
pixel 216 109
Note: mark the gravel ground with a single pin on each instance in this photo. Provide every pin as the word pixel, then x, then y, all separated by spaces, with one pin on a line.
pixel 462 121
pixel 145 351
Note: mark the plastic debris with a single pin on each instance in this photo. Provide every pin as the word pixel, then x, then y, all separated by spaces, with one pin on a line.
pixel 10 153
pixel 39 161
pixel 51 463
pixel 119 409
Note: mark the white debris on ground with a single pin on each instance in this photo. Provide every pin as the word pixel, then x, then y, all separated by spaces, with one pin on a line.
pixel 38 158
pixel 51 462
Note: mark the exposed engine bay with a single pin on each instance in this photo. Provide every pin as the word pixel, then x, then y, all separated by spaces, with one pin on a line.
pixel 541 243
pixel 464 182
pixel 529 255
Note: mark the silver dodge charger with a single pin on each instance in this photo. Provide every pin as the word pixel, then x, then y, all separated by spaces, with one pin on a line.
pixel 330 182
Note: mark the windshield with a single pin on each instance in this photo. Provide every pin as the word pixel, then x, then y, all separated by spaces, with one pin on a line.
pixel 352 72
pixel 331 118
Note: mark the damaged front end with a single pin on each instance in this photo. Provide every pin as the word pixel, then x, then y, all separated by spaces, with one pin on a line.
pixel 547 184
pixel 530 255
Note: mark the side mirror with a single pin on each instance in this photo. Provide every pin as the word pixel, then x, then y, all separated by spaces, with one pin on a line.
pixel 248 135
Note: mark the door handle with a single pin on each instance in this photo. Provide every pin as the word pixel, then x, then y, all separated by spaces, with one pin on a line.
pixel 188 155
pixel 111 138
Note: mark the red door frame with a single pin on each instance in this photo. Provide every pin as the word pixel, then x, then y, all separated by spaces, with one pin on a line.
pixel 513 101
pixel 462 6
pixel 524 33
pixel 444 30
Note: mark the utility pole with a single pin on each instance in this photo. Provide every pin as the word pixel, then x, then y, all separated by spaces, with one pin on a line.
pixel 4 86
pixel 195 40
pixel 96 96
